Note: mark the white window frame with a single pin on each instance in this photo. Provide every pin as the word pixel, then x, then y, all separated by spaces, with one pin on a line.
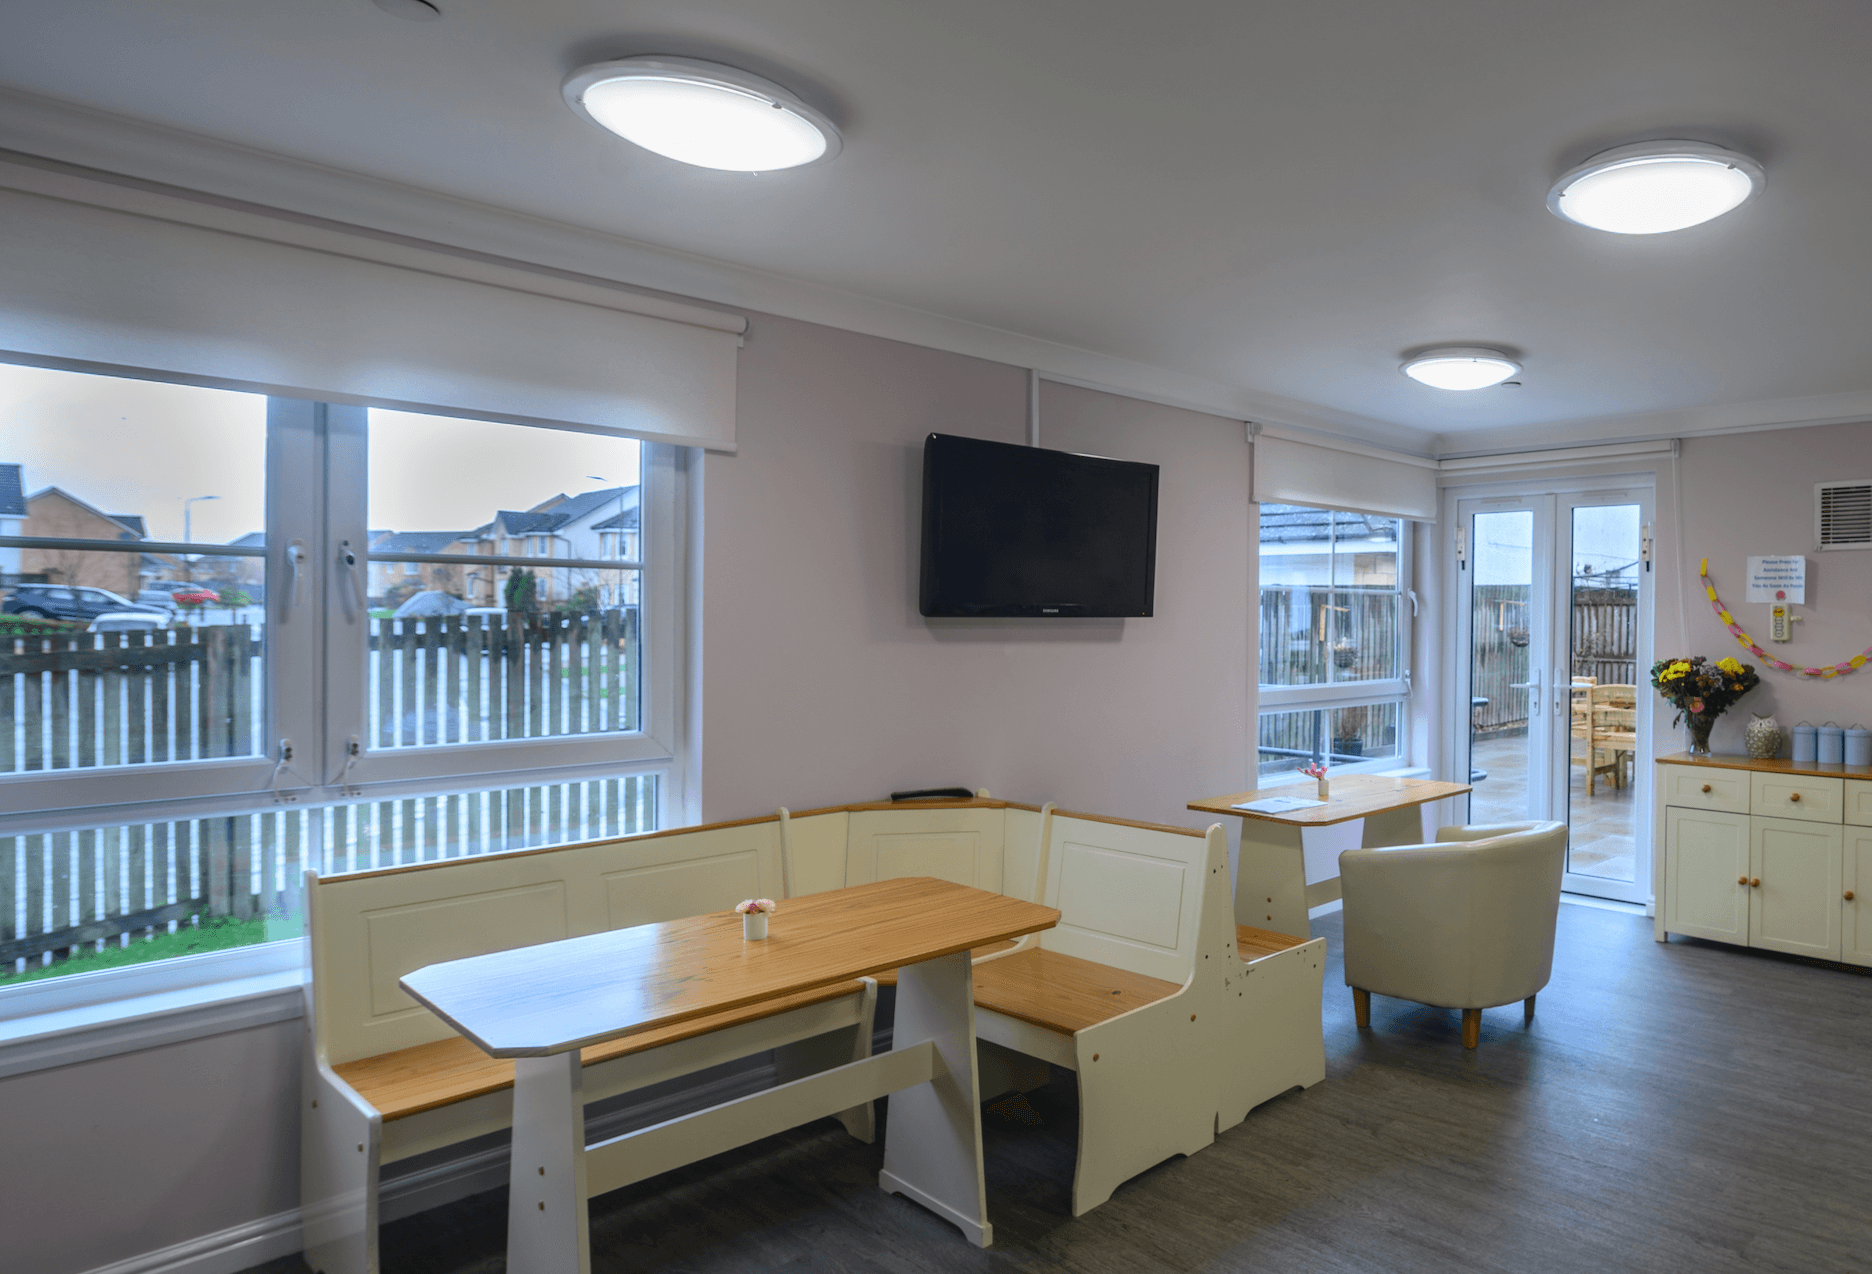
pixel 314 683
pixel 1347 694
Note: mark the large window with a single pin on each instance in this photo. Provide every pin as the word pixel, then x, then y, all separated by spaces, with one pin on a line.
pixel 241 637
pixel 1335 595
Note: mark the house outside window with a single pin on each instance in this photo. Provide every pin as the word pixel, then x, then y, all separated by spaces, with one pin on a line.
pixel 1334 639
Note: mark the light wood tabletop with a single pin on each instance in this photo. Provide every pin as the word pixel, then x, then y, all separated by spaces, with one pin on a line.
pixel 540 1000
pixel 1353 796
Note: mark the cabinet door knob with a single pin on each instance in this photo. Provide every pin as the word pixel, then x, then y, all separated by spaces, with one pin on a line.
pixel 1794 796
pixel 1755 883
pixel 1741 880
pixel 1706 787
pixel 1849 895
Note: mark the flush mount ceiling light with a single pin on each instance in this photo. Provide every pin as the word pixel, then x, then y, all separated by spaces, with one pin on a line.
pixel 1655 187
pixel 1461 367
pixel 702 113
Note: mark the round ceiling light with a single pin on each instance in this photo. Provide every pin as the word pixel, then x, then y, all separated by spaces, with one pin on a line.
pixel 702 113
pixel 1655 187
pixel 1461 367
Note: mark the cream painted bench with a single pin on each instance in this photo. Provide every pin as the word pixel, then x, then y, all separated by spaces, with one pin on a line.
pixel 1177 1021
pixel 1138 946
pixel 385 1079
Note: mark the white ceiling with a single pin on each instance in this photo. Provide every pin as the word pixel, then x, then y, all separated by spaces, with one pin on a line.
pixel 1278 198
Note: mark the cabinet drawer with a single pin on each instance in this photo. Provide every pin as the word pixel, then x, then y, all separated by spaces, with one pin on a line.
pixel 1859 802
pixel 1706 787
pixel 1812 800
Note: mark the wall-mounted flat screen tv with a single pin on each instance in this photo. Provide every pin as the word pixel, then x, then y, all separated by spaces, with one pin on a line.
pixel 1011 530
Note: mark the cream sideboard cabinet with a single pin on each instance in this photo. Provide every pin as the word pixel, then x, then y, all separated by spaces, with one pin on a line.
pixel 1767 854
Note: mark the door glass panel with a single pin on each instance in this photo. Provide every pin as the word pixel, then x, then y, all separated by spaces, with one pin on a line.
pixel 473 648
pixel 129 655
pixel 1500 638
pixel 1603 645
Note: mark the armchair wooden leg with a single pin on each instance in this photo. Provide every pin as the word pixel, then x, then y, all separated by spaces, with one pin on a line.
pixel 1527 1009
pixel 1361 1008
pixel 1471 1027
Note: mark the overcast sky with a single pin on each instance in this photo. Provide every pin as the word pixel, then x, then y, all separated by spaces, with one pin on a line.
pixel 141 447
pixel 1605 537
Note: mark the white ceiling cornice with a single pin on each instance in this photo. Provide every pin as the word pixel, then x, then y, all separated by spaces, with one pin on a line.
pixel 185 162
pixel 1689 422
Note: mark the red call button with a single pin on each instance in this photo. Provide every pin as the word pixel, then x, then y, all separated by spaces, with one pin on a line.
pixel 1780 595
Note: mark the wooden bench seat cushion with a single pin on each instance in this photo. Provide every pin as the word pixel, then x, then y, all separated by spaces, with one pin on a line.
pixel 1254 943
pixel 429 1076
pixel 1063 993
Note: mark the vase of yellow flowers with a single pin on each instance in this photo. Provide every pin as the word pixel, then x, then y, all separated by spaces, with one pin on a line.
pixel 1701 691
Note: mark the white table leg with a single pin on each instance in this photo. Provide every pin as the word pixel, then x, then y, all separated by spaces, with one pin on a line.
pixel 1270 878
pixel 932 1143
pixel 547 1228
pixel 1403 826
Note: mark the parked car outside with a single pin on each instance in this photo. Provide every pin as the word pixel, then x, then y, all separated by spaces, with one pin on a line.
pixel 57 601
pixel 129 621
pixel 153 599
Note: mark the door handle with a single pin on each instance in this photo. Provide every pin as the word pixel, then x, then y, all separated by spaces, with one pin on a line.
pixel 1532 685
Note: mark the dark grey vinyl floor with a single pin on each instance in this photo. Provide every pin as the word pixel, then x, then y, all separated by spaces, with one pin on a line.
pixel 1681 1107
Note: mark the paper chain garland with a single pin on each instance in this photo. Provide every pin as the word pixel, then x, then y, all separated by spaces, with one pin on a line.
pixel 1748 642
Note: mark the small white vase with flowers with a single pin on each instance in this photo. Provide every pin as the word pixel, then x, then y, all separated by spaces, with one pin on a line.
pixel 1317 772
pixel 754 913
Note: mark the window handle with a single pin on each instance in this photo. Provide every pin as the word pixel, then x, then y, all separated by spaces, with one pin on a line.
pixel 296 558
pixel 353 592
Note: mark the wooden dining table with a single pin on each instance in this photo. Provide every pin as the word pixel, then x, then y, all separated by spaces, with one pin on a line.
pixel 1271 888
pixel 540 1004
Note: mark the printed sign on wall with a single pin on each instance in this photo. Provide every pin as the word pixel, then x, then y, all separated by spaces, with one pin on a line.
pixel 1777 579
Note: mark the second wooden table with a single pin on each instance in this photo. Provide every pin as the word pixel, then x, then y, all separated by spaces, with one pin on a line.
pixel 1271 889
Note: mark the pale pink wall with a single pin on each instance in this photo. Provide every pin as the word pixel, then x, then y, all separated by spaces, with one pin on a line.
pixel 1751 494
pixel 822 683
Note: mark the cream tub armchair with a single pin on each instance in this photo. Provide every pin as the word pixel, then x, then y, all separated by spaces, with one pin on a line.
pixel 1466 923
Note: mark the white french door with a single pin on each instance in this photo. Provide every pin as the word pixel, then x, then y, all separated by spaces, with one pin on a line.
pixel 1553 623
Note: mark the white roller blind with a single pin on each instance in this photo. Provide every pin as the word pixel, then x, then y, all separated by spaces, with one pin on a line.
pixel 96 273
pixel 1289 472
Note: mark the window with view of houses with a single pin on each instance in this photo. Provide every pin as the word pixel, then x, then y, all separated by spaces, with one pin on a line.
pixel 489 629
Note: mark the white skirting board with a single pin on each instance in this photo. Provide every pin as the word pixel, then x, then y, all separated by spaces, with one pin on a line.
pixel 223 1252
pixel 253 1243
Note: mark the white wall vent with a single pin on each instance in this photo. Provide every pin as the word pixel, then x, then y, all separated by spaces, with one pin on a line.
pixel 1843 514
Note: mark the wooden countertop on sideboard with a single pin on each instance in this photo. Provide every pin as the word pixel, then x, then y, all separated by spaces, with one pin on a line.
pixel 1777 766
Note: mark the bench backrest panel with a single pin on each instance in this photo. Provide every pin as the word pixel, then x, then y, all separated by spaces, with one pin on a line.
pixel 1128 896
pixel 816 851
pixel 1020 854
pixel 368 930
pixel 961 845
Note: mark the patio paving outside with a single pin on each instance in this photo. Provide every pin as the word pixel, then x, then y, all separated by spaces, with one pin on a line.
pixel 1603 824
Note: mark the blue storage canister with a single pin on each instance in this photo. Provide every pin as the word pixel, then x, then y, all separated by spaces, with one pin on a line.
pixel 1832 744
pixel 1859 746
pixel 1806 744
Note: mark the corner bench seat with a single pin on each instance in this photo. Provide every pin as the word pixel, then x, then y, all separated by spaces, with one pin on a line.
pixel 410 1081
pixel 1063 993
